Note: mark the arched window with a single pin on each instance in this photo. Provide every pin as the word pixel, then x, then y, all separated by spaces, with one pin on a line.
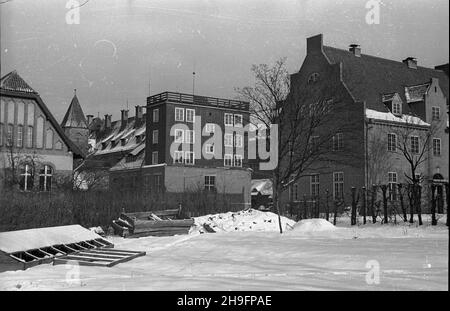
pixel 26 180
pixel 9 139
pixel 19 136
pixel 40 132
pixel 30 137
pixel 58 145
pixel 45 178
pixel 49 139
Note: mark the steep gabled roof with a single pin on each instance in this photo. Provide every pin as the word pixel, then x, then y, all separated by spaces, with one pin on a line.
pixel 74 116
pixel 13 82
pixel 22 90
pixel 369 77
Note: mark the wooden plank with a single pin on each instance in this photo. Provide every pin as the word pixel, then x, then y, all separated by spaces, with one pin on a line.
pixel 76 257
pixel 61 261
pixel 164 223
pixel 121 252
pixel 157 233
pixel 126 259
pixel 168 229
pixel 101 255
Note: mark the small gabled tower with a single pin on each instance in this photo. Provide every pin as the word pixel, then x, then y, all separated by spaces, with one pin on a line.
pixel 75 125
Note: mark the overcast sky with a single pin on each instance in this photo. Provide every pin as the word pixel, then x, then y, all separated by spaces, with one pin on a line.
pixel 120 45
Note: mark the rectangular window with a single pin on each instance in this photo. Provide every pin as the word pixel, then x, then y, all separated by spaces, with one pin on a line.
pixel 155 157
pixel 9 139
pixel 238 120
pixel 178 157
pixel 189 136
pixel 179 114
pixel 155 136
pixel 30 137
pixel 392 177
pixel 179 136
pixel 155 115
pixel 238 141
pixel 238 160
pixel 338 142
pixel 210 183
pixel 210 127
pixel 338 185
pixel 228 119
pixel 30 114
pixel 228 160
pixel 189 158
pixel 293 192
pixel 190 114
pixel 209 148
pixel 396 108
pixel 315 185
pixel 435 113
pixel 20 136
pixel 392 142
pixel 157 183
pixel 414 144
pixel 228 140
pixel 436 146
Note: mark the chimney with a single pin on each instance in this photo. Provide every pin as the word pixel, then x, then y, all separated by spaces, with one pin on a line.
pixel 411 62
pixel 355 49
pixel 138 116
pixel 124 118
pixel 89 118
pixel 107 121
pixel 314 44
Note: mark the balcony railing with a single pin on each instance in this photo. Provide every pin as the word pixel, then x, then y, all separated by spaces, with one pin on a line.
pixel 197 100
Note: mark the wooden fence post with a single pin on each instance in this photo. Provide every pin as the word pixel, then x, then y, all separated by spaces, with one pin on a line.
pixel 385 207
pixel 353 216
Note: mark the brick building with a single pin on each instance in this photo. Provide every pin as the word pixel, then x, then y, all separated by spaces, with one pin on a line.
pixel 140 155
pixel 379 97
pixel 31 138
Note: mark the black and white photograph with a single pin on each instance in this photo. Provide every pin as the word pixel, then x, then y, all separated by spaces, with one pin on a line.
pixel 224 150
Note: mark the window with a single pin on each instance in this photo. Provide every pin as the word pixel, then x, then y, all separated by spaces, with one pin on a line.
pixel 45 178
pixel 228 160
pixel 436 146
pixel 228 140
pixel 338 185
pixel 392 142
pixel 315 140
pixel 414 144
pixel 209 148
pixel 228 119
pixel 58 145
pixel 178 157
pixel 30 114
pixel 155 115
pixel 189 157
pixel 189 136
pixel 238 160
pixel 337 142
pixel 179 136
pixel 49 139
pixel 26 178
pixel 210 183
pixel 9 139
pixel 238 141
pixel 155 135
pixel 40 132
pixel 123 141
pixel 190 114
pixel 313 78
pixel 1 134
pixel 238 120
pixel 30 137
pixel 19 136
pixel 155 157
pixel 315 182
pixel 392 177
pixel 179 114
pixel 210 127
pixel 396 107
pixel 157 183
pixel 435 113
pixel 293 192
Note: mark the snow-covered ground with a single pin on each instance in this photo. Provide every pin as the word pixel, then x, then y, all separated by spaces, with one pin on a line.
pixel 311 255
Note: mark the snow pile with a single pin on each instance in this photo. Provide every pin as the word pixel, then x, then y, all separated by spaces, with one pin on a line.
pixel 248 220
pixel 313 225
pixel 98 230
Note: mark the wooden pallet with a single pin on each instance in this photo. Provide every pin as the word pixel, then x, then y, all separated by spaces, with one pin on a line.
pixel 104 257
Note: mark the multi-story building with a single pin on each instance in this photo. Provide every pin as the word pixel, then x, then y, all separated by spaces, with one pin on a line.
pixel 182 143
pixel 34 150
pixel 383 99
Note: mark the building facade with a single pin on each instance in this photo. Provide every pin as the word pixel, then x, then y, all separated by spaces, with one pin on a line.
pixel 386 101
pixel 34 150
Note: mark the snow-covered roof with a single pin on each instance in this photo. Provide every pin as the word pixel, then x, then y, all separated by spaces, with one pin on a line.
pixel 388 116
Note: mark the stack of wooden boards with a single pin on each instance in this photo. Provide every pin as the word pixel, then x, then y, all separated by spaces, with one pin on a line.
pixel 153 223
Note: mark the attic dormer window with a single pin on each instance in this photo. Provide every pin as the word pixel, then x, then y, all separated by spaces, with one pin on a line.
pixel 313 78
pixel 104 144
pixel 138 139
pixel 396 108
pixel 123 141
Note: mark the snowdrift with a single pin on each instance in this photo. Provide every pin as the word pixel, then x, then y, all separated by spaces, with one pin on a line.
pixel 313 225
pixel 248 220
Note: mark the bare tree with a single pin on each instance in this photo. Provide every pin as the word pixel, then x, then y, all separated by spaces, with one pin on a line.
pixel 306 121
